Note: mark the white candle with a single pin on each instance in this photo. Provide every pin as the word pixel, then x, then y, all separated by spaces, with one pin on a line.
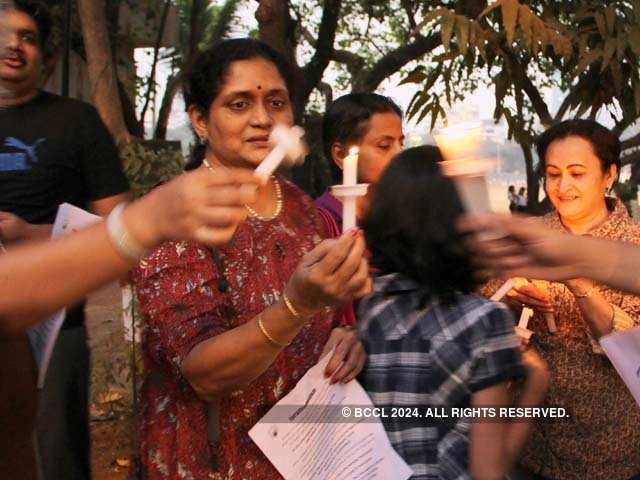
pixel 350 167
pixel 502 291
pixel 460 146
pixel 521 328
pixel 288 144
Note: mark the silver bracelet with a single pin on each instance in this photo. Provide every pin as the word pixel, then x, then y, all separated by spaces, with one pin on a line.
pixel 122 240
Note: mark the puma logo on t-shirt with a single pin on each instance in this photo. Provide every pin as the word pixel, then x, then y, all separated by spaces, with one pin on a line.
pixel 23 159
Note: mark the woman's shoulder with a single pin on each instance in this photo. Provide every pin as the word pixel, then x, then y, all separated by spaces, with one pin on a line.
pixel 620 226
pixel 630 231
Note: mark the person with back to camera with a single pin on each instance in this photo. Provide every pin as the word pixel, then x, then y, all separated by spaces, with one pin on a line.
pixel 430 341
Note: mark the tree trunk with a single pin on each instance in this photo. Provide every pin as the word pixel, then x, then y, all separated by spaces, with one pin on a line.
pixel 151 85
pixel 534 206
pixel 102 73
pixel 173 85
pixel 129 112
pixel 277 30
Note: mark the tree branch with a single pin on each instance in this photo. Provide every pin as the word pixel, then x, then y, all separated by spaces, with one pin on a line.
pixel 632 158
pixel 327 91
pixel 276 27
pixel 323 54
pixel 539 105
pixel 354 63
pixel 631 142
pixel 102 74
pixel 152 83
pixel 408 8
pixel 566 103
pixel 394 61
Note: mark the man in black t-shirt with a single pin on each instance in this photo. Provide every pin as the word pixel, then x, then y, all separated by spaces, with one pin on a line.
pixel 52 150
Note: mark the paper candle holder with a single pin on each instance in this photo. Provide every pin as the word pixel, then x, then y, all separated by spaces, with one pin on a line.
pixel 348 194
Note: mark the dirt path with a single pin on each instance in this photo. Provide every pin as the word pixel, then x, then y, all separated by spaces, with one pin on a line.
pixel 111 435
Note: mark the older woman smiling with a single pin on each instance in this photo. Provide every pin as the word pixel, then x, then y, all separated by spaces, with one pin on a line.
pixel 580 160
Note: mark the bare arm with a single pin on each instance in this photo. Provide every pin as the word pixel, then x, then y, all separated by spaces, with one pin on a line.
pixel 14 230
pixel 197 206
pixel 334 272
pixel 104 206
pixel 596 310
pixel 30 276
pixel 528 249
pixel 495 447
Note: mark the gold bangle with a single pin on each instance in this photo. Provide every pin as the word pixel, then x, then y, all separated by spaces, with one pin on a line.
pixel 290 306
pixel 268 336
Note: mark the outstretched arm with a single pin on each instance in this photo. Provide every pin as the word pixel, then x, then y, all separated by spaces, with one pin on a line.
pixel 39 278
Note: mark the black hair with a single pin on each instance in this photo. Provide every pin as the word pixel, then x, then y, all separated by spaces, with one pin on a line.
pixel 41 16
pixel 511 188
pixel 410 227
pixel 347 120
pixel 205 77
pixel 605 143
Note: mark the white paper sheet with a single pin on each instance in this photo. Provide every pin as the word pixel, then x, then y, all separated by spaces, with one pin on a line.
pixel 623 349
pixel 315 446
pixel 44 335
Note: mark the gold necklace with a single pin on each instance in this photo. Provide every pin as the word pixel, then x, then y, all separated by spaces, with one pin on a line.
pixel 256 215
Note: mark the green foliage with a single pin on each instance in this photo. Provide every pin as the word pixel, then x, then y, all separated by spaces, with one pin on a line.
pixel 589 50
pixel 147 164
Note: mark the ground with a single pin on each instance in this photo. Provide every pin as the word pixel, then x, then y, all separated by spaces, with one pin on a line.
pixel 111 412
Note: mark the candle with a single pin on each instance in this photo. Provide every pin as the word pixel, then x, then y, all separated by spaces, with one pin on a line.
pixel 350 167
pixel 502 291
pixel 521 328
pixel 288 144
pixel 460 142
pixel 459 146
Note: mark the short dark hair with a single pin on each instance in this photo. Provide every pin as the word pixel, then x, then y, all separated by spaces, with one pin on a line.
pixel 206 75
pixel 41 16
pixel 204 78
pixel 410 227
pixel 347 119
pixel 605 143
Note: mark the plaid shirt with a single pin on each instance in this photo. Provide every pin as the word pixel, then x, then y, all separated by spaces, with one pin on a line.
pixel 422 353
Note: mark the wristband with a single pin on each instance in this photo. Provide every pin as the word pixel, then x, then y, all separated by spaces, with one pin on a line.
pixel 121 238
